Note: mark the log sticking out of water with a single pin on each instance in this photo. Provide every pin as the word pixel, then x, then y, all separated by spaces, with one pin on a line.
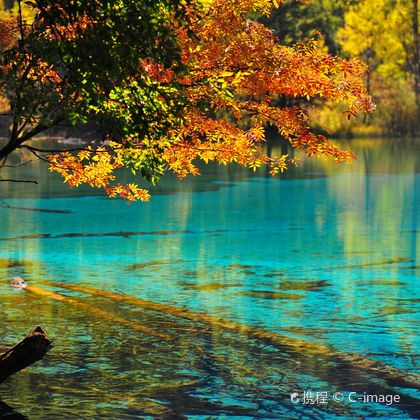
pixel 31 349
pixel 7 412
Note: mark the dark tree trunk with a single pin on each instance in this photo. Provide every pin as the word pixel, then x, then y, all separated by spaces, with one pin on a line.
pixel 416 55
pixel 31 349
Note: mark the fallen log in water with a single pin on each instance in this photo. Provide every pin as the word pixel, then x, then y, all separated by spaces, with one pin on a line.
pixel 390 374
pixel 142 399
pixel 9 413
pixel 36 209
pixel 353 364
pixel 31 349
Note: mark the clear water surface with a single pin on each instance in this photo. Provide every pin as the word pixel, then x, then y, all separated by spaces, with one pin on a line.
pixel 321 265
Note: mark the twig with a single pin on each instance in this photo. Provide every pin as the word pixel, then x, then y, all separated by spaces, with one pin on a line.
pixel 18 164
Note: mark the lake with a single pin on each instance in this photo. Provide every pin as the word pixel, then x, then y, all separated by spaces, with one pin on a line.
pixel 233 294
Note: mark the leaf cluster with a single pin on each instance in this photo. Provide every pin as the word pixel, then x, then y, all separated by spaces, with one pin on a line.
pixel 170 83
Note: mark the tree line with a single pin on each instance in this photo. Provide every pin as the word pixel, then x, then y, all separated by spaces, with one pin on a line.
pixel 382 33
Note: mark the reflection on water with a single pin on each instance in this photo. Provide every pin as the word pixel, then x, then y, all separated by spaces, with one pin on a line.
pixel 327 256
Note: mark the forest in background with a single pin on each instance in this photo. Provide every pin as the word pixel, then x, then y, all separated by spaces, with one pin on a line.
pixel 382 33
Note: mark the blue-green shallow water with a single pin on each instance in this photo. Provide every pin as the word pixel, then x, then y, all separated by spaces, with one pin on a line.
pixel 327 254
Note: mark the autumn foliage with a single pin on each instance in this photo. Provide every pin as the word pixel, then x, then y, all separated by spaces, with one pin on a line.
pixel 212 102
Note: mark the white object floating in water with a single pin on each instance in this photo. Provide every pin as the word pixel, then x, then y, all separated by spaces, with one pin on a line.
pixel 18 283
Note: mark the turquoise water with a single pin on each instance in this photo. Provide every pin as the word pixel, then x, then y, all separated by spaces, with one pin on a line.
pixel 325 254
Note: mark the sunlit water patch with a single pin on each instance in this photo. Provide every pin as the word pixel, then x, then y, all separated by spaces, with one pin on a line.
pixel 305 282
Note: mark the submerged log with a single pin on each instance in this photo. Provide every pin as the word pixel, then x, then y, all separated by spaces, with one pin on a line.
pixel 96 311
pixel 392 375
pixel 382 375
pixel 31 349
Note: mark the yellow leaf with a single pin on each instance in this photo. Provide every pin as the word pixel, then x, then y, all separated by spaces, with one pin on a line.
pixel 226 74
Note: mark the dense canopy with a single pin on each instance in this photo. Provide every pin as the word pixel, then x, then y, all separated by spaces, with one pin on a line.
pixel 168 83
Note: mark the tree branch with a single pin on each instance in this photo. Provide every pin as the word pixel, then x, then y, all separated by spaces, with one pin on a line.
pixel 14 143
pixel 36 149
pixel 30 181
pixel 22 39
